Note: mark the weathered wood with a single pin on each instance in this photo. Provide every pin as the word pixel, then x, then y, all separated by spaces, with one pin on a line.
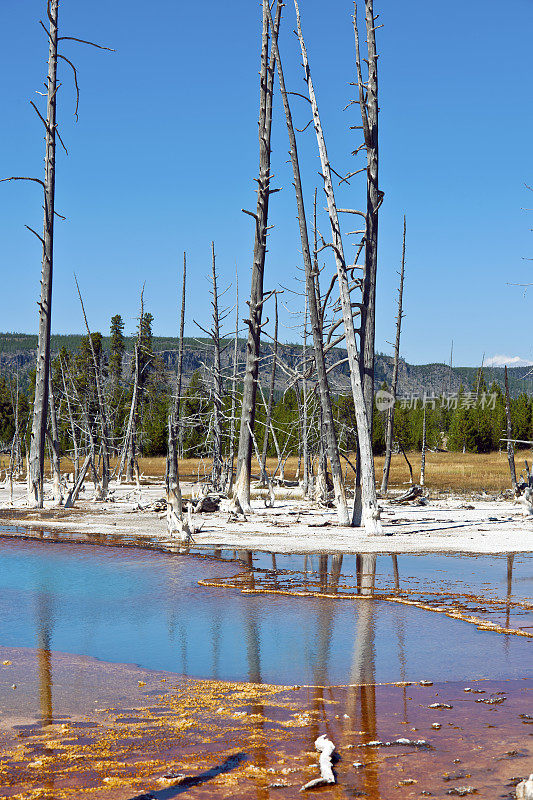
pixel 216 470
pixel 366 511
pixel 175 437
pixel 326 748
pixel 76 458
pixel 74 492
pixel 54 447
pixel 368 105
pixel 394 383
pixel 412 493
pixel 315 319
pixel 524 790
pixel 128 456
pixel 104 434
pixel 262 460
pixel 231 456
pixel 244 454
pixel 510 448
pixel 40 406
pixel 423 453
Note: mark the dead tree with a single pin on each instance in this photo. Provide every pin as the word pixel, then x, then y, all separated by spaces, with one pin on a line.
pixel 40 406
pixel 76 458
pixel 316 326
pixel 104 432
pixel 394 383
pixel 366 511
pixel 218 389
pixel 368 105
pixel 179 377
pixel 231 455
pixel 257 298
pixel 35 460
pixel 217 382
pixel 175 439
pixel 129 451
pixel 264 477
pixel 510 448
pixel 423 454
pixel 54 447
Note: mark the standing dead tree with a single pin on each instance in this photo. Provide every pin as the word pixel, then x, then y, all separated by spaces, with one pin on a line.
pixel 40 408
pixel 55 450
pixel 38 431
pixel 128 456
pixel 315 319
pixel 179 375
pixel 228 483
pixel 104 431
pixel 423 454
pixel 268 421
pixel 510 448
pixel 394 383
pixel 368 105
pixel 175 439
pixel 257 298
pixel 366 511
pixel 218 384
pixel 75 457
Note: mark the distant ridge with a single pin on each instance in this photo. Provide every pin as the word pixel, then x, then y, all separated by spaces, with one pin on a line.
pixel 17 352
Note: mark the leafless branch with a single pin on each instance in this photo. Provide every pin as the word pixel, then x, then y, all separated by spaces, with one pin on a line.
pixel 75 83
pixel 84 41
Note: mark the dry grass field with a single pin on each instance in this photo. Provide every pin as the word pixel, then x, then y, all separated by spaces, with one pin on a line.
pixel 462 472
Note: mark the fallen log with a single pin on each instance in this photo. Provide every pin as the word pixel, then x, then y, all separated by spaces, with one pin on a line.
pixel 411 494
pixel 326 749
pixel 74 492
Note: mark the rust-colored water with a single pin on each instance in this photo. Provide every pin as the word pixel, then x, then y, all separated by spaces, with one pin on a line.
pixel 250 740
pixel 72 726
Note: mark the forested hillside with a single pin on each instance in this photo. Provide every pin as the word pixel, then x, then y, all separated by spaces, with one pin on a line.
pixel 17 353
pixel 464 406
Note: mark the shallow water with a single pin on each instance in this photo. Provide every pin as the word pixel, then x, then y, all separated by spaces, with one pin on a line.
pixel 146 608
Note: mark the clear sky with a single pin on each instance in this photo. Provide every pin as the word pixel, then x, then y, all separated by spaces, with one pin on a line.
pixel 165 152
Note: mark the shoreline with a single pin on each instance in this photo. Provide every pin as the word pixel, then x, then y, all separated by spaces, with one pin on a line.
pixel 454 524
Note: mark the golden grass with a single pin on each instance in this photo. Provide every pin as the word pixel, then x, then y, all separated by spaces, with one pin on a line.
pixel 444 471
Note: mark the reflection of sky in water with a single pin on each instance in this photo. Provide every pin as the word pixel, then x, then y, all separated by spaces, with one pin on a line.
pixel 133 606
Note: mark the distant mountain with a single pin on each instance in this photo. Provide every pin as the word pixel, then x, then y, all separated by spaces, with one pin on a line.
pixel 17 353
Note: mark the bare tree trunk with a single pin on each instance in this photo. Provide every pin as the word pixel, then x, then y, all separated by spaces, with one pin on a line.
pixel 128 448
pixel 71 422
pixel 244 454
pixel 217 383
pixel 74 492
pixel 231 457
pixel 305 413
pixel 54 448
pixel 394 384
pixel 367 512
pixel 175 438
pixel 130 452
pixel 510 448
pixel 177 406
pixel 101 407
pixel 316 327
pixel 423 456
pixel 40 406
pixel 264 477
pixel 368 104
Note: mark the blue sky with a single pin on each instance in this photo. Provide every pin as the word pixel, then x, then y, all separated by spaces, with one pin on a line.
pixel 165 152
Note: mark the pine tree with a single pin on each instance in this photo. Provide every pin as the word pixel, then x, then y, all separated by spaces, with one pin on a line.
pixel 117 348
